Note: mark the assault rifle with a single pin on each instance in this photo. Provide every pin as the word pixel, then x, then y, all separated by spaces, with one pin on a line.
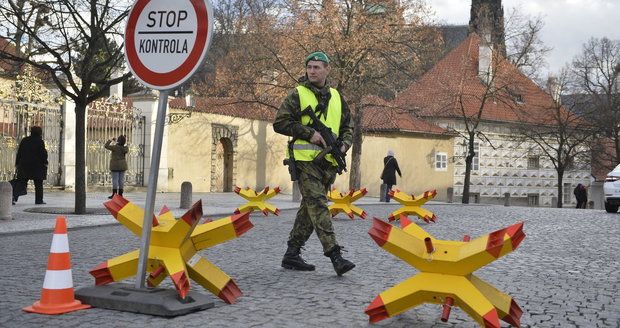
pixel 333 144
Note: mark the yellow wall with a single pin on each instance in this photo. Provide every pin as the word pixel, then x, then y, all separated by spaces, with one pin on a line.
pixel 415 154
pixel 260 151
pixel 190 148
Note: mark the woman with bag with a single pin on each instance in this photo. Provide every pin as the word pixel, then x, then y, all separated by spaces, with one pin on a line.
pixel 118 163
pixel 390 167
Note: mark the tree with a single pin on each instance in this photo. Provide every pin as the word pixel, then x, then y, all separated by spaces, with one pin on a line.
pixel 562 136
pixel 376 48
pixel 526 50
pixel 597 74
pixel 73 42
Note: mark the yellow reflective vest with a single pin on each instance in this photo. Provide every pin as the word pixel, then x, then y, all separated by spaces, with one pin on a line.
pixel 304 150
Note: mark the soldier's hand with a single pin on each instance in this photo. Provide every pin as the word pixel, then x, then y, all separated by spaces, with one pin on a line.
pixel 343 148
pixel 317 139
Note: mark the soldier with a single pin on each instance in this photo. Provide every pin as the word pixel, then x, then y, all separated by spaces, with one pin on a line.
pixel 314 177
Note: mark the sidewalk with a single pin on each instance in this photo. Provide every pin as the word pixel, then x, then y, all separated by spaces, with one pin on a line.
pixel 28 217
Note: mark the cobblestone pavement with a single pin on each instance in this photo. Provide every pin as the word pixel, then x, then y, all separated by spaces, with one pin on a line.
pixel 564 274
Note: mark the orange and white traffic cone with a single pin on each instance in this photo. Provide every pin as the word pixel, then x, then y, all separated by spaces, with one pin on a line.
pixel 57 296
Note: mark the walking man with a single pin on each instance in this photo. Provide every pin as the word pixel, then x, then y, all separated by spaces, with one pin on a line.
pixel 314 177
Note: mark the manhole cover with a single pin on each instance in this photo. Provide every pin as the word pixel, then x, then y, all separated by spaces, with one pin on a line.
pixel 65 210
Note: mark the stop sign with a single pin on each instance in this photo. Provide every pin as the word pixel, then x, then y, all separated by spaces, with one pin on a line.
pixel 167 41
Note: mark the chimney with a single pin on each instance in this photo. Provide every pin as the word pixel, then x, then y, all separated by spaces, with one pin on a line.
pixel 190 101
pixel 116 91
pixel 485 59
pixel 554 89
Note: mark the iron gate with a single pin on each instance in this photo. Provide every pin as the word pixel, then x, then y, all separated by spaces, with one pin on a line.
pixel 107 120
pixel 17 118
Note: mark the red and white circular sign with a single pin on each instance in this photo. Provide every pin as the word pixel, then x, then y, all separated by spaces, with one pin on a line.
pixel 167 41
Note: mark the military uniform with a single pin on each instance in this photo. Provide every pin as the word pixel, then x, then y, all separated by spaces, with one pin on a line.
pixel 314 179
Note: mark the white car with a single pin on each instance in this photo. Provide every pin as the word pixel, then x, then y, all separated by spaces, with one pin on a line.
pixel 611 188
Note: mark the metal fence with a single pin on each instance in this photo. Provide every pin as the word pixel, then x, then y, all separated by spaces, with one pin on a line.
pixel 107 120
pixel 15 122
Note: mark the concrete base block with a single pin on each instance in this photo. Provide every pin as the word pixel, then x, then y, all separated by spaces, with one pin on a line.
pixel 152 301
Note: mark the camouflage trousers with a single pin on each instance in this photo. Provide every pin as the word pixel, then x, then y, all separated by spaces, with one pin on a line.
pixel 313 215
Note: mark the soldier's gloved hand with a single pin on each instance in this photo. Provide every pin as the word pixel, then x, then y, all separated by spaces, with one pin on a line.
pixel 317 139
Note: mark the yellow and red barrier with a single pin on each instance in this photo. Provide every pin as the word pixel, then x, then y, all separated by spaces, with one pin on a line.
pixel 257 201
pixel 344 203
pixel 173 249
pixel 445 275
pixel 413 205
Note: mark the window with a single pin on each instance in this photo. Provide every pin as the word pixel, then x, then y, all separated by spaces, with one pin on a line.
pixel 441 161
pixel 475 163
pixel 516 96
pixel 532 199
pixel 567 193
pixel 533 162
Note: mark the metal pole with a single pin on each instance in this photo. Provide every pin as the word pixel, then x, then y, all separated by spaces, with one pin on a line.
pixel 152 188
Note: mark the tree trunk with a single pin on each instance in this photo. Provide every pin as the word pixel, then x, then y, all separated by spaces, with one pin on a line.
pixel 356 151
pixel 80 158
pixel 560 188
pixel 468 161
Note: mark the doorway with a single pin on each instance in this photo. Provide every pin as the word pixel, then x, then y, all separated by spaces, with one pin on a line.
pixel 223 165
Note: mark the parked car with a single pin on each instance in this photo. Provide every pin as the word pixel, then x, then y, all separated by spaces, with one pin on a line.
pixel 611 188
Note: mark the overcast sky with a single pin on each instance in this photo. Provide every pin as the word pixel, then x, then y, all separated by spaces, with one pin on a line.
pixel 568 23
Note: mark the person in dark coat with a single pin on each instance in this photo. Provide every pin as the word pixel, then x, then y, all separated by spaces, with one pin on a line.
pixel 390 167
pixel 31 162
pixel 118 163
pixel 581 193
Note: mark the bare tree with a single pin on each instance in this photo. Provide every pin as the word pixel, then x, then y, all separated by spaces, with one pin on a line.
pixel 75 44
pixel 560 133
pixel 597 75
pixel 495 86
pixel 525 48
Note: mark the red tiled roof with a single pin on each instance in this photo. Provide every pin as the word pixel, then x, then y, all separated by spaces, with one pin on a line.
pixel 379 116
pixel 5 65
pixel 455 78
pixel 228 107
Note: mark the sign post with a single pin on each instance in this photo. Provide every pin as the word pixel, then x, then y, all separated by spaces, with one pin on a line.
pixel 165 44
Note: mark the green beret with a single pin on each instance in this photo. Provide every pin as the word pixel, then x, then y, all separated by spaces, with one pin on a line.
pixel 318 56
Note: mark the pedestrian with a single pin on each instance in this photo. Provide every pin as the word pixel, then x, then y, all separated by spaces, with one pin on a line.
pixel 314 177
pixel 118 163
pixel 581 194
pixel 390 167
pixel 31 163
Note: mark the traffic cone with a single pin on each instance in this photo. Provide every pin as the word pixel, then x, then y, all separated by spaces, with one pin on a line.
pixel 57 296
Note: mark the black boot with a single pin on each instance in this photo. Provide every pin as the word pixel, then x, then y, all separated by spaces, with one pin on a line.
pixel 113 193
pixel 120 191
pixel 341 266
pixel 292 260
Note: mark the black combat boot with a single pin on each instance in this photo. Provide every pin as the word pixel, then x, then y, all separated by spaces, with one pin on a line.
pixel 120 191
pixel 341 266
pixel 113 193
pixel 292 260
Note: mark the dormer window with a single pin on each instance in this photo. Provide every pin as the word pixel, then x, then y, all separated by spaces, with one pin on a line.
pixel 516 96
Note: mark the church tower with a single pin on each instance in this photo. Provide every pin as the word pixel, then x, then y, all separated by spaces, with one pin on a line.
pixel 487 18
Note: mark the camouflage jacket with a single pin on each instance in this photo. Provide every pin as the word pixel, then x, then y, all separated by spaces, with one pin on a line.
pixel 288 118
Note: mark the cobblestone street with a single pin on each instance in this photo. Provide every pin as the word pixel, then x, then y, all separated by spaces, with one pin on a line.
pixel 564 274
